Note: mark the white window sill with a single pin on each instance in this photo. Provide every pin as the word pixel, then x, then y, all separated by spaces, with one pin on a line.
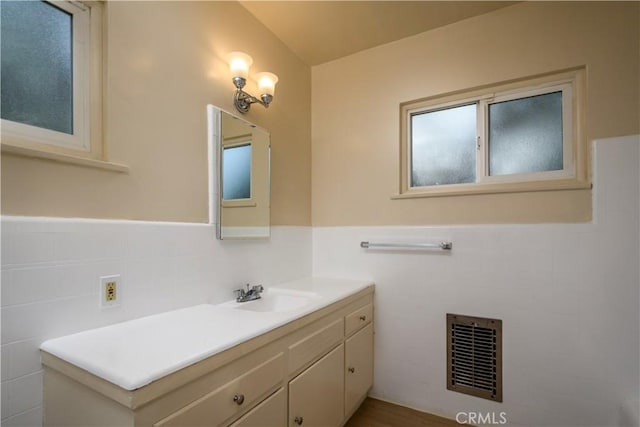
pixel 241 203
pixel 63 158
pixel 493 188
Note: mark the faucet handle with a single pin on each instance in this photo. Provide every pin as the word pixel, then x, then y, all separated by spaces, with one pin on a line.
pixel 239 292
pixel 257 288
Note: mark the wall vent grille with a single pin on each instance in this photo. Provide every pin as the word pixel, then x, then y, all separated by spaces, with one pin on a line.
pixel 474 356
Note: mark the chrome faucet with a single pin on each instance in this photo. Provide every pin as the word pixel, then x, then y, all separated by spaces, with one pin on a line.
pixel 250 294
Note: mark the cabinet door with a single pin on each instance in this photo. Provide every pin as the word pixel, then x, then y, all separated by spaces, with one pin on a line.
pixel 316 396
pixel 358 367
pixel 270 413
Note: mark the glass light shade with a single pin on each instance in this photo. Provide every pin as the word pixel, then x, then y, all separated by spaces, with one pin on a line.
pixel 266 83
pixel 239 63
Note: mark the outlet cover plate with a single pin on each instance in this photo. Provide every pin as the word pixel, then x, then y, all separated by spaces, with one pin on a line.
pixel 110 292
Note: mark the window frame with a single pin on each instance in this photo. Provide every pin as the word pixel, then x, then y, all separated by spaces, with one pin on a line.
pixel 440 107
pixel 575 172
pixel 567 171
pixel 86 140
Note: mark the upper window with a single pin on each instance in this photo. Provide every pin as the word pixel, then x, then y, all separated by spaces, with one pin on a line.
pixel 515 137
pixel 46 68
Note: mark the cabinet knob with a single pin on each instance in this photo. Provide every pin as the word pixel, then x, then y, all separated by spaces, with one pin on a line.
pixel 298 420
pixel 352 369
pixel 363 318
pixel 239 399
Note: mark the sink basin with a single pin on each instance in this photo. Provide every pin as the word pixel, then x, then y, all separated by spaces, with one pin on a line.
pixel 276 302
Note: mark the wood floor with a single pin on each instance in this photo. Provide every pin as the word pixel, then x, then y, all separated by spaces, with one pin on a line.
pixel 376 413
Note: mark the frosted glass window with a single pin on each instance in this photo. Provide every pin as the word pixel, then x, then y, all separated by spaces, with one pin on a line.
pixel 36 65
pixel 525 135
pixel 443 146
pixel 504 138
pixel 236 172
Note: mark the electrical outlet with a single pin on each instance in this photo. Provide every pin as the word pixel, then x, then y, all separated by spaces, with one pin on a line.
pixel 110 291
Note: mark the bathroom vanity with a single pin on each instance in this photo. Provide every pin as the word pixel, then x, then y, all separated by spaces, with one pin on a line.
pixel 301 355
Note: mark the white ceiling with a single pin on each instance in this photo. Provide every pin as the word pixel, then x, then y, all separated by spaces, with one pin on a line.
pixel 321 31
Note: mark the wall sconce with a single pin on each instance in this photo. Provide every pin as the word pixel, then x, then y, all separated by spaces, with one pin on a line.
pixel 239 64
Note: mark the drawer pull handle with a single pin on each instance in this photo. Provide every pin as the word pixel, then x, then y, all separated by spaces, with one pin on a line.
pixel 363 318
pixel 352 369
pixel 239 399
pixel 298 420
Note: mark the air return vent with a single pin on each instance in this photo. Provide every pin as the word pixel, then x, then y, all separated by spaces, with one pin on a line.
pixel 474 356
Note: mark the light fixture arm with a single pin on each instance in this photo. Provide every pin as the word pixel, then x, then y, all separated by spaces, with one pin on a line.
pixel 242 100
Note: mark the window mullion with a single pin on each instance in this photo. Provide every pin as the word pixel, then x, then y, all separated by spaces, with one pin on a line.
pixel 568 147
pixel 481 138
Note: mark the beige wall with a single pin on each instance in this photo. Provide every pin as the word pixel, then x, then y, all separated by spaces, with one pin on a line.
pixel 165 62
pixel 355 107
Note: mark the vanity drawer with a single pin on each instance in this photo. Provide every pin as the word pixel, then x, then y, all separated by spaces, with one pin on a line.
pixel 358 319
pixel 231 398
pixel 315 345
pixel 270 413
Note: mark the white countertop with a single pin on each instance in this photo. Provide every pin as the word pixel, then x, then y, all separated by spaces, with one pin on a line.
pixel 135 353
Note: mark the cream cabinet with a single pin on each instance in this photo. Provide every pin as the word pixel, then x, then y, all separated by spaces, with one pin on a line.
pixel 358 367
pixel 312 371
pixel 271 412
pixel 357 319
pixel 316 395
pixel 226 401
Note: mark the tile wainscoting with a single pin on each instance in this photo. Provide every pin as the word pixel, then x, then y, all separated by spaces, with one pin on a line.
pixel 50 282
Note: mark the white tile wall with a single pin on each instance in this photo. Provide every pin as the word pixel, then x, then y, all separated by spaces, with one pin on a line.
pixel 50 281
pixel 568 295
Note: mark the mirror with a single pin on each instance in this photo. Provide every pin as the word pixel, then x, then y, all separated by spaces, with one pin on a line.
pixel 242 156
